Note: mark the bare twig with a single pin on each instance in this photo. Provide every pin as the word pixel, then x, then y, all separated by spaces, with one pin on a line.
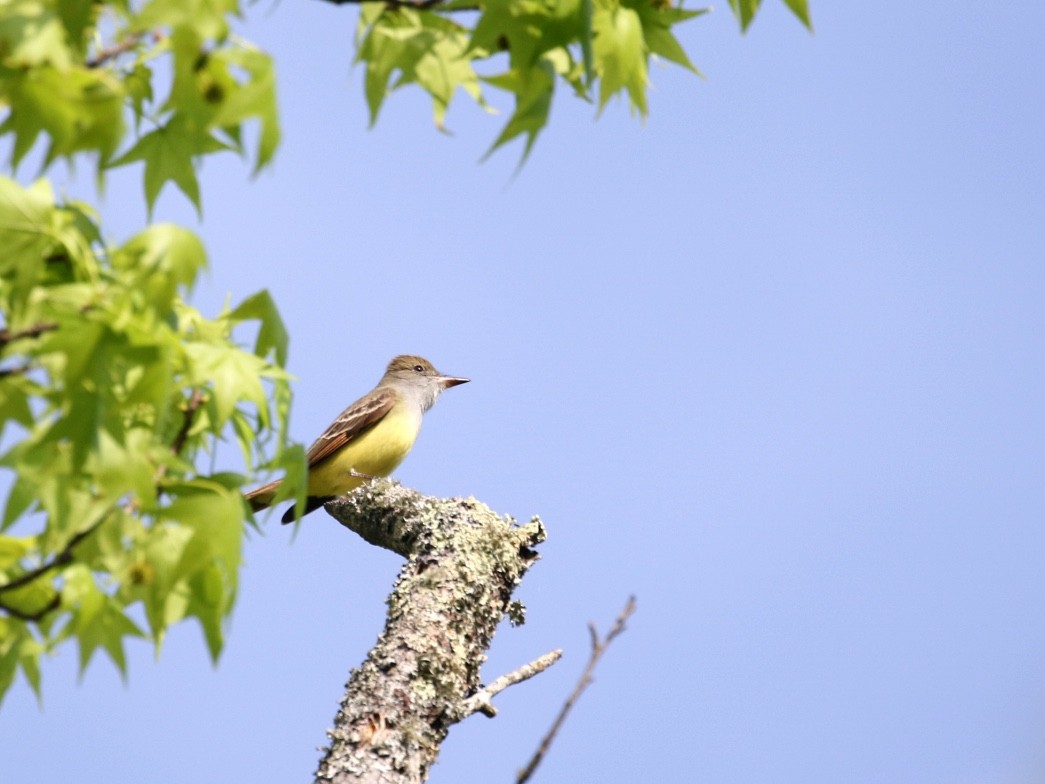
pixel 118 48
pixel 480 701
pixel 598 647
pixel 7 336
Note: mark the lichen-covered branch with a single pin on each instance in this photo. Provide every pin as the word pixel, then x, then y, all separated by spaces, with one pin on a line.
pixel 480 702
pixel 463 562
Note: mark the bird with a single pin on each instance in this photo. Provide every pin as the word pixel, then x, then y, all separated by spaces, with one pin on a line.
pixel 368 439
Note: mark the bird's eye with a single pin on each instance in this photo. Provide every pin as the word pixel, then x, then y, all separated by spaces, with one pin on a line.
pixel 419 368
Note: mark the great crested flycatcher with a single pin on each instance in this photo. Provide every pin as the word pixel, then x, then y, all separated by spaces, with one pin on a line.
pixel 370 437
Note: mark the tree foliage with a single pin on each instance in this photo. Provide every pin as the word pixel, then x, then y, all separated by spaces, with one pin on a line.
pixel 114 391
pixel 599 49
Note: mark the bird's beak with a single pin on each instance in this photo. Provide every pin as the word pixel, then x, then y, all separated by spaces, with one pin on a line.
pixel 452 381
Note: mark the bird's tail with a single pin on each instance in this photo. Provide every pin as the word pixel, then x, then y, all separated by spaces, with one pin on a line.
pixel 261 497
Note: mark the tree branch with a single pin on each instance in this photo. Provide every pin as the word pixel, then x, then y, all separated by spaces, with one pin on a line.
pixel 65 556
pixel 32 616
pixel 598 647
pixel 7 336
pixel 480 701
pixel 422 675
pixel 61 559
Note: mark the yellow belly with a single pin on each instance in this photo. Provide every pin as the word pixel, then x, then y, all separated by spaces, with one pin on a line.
pixel 375 453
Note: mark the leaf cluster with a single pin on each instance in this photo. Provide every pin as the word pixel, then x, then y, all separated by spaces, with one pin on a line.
pixel 112 390
pixel 60 82
pixel 599 49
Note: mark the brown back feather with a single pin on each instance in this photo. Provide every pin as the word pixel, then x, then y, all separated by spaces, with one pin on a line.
pixel 353 421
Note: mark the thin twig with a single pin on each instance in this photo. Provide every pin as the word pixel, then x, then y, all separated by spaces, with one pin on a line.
pixel 18 370
pixel 7 336
pixel 61 559
pixel 598 647
pixel 195 401
pixel 480 701
pixel 114 51
pixel 32 616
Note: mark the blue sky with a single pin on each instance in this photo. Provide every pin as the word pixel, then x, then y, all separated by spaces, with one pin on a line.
pixel 773 362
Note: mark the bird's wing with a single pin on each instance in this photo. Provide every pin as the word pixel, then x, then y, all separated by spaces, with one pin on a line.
pixel 358 417
pixel 261 497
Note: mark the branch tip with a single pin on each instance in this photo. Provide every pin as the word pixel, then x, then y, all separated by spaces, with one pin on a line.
pixel 480 701
pixel 598 647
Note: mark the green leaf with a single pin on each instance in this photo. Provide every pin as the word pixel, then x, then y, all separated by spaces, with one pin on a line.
pixel 531 28
pixel 254 99
pixel 587 34
pixel 14 402
pixel 292 465
pixel 800 8
pixel 120 468
pixel 423 48
pixel 657 22
pixel 29 658
pixel 111 546
pixel 211 559
pixel 33 597
pixel 18 649
pixel 744 11
pixel 79 108
pixel 169 154
pixel 230 374
pixel 207 18
pixel 272 334
pixel 164 260
pixel 97 619
pixel 620 55
pixel 533 88
pixel 138 84
pixel 31 34
pixel 164 601
pixel 13 549
pixel 19 499
pixel 78 17
pixel 202 79
pixel 25 221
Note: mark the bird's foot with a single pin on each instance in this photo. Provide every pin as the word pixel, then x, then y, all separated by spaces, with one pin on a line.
pixel 360 475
